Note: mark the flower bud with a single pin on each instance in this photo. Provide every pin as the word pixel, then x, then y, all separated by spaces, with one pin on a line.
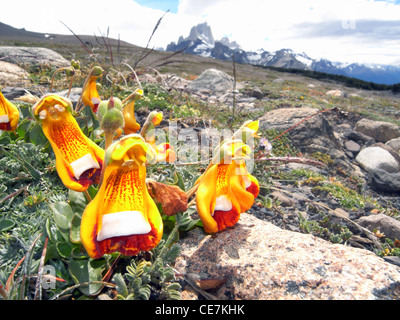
pixel 112 120
pixel 97 71
pixel 75 64
pixel 70 71
pixel 110 115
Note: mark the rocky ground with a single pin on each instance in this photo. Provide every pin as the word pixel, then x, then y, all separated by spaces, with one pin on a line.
pixel 316 231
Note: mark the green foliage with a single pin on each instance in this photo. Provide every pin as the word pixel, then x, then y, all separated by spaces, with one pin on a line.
pixel 154 98
pixel 326 229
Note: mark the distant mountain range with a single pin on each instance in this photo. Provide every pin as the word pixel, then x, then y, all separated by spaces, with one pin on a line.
pixel 10 34
pixel 201 42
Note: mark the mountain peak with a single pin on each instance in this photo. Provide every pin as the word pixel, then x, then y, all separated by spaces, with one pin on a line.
pixel 203 32
pixel 201 42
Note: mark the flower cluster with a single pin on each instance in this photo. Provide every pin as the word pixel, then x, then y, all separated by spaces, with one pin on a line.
pixel 123 215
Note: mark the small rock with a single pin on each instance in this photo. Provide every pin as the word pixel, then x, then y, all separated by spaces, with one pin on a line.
pixel 394 144
pixel 284 200
pixel 379 130
pixel 255 93
pixel 387 225
pixel 382 180
pixel 359 137
pixel 372 158
pixel 336 93
pixel 215 81
pixel 352 146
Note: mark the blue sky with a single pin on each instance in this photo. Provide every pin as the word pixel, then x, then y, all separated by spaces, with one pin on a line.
pixel 365 31
pixel 164 5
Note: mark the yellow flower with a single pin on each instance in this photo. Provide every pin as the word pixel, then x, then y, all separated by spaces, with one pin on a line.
pixel 247 132
pixel 165 153
pixel 131 126
pixel 90 96
pixel 9 115
pixel 123 217
pixel 78 159
pixel 226 189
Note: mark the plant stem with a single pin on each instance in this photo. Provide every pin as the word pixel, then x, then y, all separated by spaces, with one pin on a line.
pixel 87 195
pixel 109 138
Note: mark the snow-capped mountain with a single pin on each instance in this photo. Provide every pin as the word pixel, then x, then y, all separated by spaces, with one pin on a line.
pixel 201 42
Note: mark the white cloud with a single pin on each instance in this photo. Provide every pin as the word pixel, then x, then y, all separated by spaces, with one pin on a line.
pixel 248 22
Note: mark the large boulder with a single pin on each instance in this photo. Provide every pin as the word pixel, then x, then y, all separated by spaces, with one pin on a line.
pixel 212 81
pixel 32 55
pixel 379 130
pixel 257 260
pixel 11 75
pixel 316 134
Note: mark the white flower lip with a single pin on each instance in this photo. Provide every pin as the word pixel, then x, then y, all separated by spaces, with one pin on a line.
pixel 222 203
pixel 42 114
pixel 123 223
pixel 247 182
pixel 82 164
pixel 4 118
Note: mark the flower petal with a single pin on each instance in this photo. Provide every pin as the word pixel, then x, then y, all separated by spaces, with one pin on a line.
pixel 9 115
pixel 122 217
pixel 123 223
pixel 78 159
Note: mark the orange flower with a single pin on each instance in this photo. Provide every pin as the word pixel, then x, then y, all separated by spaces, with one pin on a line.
pixel 123 217
pixel 90 96
pixel 78 159
pixel 131 126
pixel 9 115
pixel 165 153
pixel 226 189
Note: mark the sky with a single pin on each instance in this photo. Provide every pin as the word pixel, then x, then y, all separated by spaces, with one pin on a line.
pixel 363 31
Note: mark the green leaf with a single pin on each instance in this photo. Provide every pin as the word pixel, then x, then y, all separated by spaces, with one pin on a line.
pixel 74 235
pixel 6 224
pixel 64 249
pixel 178 181
pixel 92 191
pixel 37 136
pixel 23 127
pixel 122 289
pixel 87 270
pixel 63 215
pixel 5 138
pixel 77 201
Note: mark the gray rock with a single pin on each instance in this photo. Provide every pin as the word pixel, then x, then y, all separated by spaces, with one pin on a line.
pixel 373 158
pixel 283 199
pixel 215 81
pixel 12 93
pixel 32 55
pixel 359 137
pixel 259 261
pixel 382 180
pixel 314 135
pixel 11 75
pixel 387 225
pixel 352 146
pixel 379 130
pixel 394 144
